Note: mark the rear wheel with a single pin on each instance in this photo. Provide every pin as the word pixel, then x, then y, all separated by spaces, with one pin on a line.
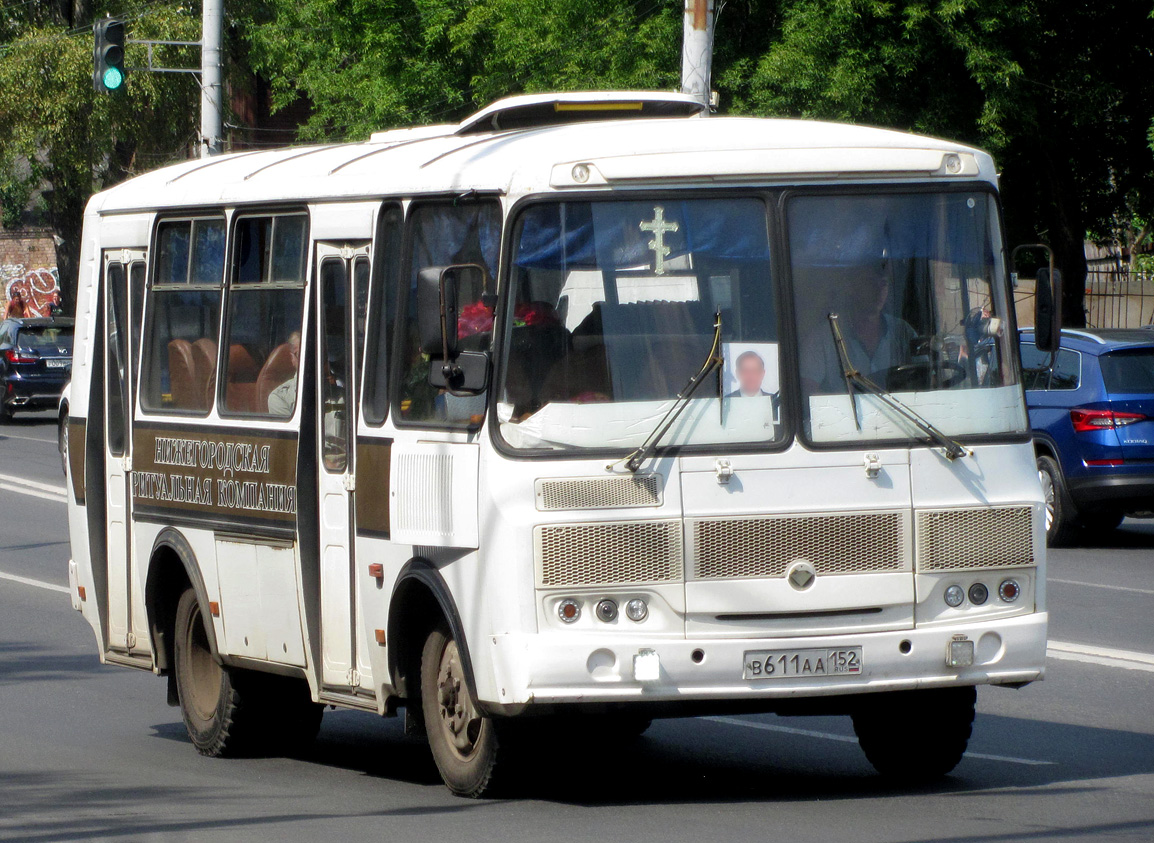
pixel 464 743
pixel 916 736
pixel 62 442
pixel 1060 515
pixel 1101 522
pixel 219 712
pixel 5 413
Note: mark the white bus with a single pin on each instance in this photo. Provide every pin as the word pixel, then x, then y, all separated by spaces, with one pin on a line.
pixel 589 407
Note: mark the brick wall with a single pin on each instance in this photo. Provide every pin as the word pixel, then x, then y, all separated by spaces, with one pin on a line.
pixel 28 263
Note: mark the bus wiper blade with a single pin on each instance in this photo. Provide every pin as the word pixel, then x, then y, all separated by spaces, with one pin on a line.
pixel 854 378
pixel 637 458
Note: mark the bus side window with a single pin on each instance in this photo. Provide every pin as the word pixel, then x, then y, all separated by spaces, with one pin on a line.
pixel 265 310
pixel 179 345
pixel 441 234
pixel 386 271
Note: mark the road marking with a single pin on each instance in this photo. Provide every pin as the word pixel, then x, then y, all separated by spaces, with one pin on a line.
pixel 827 736
pixel 33 488
pixel 1106 656
pixel 48 586
pixel 26 438
pixel 1102 585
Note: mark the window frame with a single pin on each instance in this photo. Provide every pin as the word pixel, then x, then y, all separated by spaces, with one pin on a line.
pixel 380 319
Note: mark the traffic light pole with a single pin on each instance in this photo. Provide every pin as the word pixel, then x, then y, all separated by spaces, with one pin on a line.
pixel 211 88
pixel 697 50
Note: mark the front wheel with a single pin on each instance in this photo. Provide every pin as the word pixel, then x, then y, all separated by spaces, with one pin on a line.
pixel 464 743
pixel 916 736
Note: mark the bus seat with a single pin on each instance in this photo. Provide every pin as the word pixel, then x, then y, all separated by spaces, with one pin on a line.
pixel 204 356
pixel 277 369
pixel 182 376
pixel 240 386
pixel 582 376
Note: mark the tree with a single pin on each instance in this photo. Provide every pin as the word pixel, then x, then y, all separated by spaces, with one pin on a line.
pixel 59 137
pixel 1060 92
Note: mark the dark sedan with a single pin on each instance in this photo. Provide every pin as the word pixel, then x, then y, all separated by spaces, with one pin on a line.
pixel 35 363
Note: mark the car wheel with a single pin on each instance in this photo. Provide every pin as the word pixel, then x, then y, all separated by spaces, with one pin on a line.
pixel 5 414
pixel 62 442
pixel 916 736
pixel 1060 515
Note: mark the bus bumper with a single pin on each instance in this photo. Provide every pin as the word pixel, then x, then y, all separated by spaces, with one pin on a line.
pixel 557 668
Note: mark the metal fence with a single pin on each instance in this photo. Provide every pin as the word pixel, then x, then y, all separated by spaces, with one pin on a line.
pixel 1115 298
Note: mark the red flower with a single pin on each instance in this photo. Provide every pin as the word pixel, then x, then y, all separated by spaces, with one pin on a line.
pixel 475 318
pixel 534 313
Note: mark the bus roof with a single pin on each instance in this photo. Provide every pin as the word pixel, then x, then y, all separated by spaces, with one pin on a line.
pixel 541 157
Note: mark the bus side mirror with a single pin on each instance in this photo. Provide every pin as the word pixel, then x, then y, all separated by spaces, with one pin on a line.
pixel 1037 259
pixel 439 290
pixel 1047 313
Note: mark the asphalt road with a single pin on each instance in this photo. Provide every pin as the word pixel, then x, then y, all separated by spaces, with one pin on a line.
pixel 93 753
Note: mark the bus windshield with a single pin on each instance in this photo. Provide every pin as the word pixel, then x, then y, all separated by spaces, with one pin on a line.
pixel 614 304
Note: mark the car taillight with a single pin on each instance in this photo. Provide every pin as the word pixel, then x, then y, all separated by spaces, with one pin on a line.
pixel 13 355
pixel 1088 420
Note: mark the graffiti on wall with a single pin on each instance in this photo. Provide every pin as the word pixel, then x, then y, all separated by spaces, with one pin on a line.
pixel 38 289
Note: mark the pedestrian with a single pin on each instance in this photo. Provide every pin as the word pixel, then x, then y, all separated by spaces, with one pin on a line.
pixel 16 308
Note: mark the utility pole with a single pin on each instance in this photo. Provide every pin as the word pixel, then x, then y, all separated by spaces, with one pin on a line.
pixel 697 50
pixel 211 129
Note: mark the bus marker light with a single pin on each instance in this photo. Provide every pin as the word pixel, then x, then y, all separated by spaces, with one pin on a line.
pixel 979 594
pixel 647 666
pixel 636 610
pixel 83 594
pixel 960 652
pixel 1009 591
pixel 606 611
pixel 380 636
pixel 569 610
pixel 955 596
pixel 214 608
pixel 377 571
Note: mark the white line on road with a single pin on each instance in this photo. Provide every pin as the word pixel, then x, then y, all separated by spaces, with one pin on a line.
pixel 1102 585
pixel 47 586
pixel 1106 656
pixel 33 488
pixel 827 736
pixel 26 438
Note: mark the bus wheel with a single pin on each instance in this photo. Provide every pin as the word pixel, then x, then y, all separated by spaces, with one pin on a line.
pixel 916 736
pixel 463 742
pixel 213 708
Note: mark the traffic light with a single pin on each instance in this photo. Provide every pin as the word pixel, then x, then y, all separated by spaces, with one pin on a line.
pixel 108 56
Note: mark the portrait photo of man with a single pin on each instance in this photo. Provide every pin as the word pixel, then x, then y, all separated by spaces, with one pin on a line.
pixel 750 371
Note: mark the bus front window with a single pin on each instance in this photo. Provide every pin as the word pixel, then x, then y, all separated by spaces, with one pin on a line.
pixel 914 283
pixel 613 312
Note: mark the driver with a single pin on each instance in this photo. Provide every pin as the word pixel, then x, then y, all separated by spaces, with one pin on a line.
pixel 874 339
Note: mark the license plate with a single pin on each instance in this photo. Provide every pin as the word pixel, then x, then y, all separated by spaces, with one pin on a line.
pixel 782 664
pixel 57 363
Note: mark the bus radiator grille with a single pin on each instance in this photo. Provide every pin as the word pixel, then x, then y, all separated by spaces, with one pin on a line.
pixel 618 492
pixel 617 553
pixel 970 539
pixel 842 543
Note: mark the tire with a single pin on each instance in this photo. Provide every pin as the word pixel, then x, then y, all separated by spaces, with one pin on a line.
pixel 6 413
pixel 62 442
pixel 220 717
pixel 916 736
pixel 464 743
pixel 1060 513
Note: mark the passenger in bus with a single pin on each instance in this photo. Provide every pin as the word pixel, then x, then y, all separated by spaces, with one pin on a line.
pixel 874 339
pixel 282 399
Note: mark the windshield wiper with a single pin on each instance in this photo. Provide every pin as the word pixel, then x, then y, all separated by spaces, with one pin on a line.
pixel 854 378
pixel 645 450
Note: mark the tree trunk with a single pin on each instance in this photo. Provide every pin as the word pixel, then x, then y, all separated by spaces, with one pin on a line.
pixel 1062 218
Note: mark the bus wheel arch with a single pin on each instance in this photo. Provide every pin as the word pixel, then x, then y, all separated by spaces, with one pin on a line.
pixel 421 600
pixel 172 569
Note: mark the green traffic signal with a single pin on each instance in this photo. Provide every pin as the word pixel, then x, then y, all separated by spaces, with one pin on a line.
pixel 108 56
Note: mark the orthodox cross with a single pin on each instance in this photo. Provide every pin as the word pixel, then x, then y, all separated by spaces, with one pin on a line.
pixel 659 227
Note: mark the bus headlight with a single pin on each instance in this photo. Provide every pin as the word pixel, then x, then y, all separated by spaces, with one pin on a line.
pixel 979 594
pixel 606 611
pixel 955 596
pixel 636 610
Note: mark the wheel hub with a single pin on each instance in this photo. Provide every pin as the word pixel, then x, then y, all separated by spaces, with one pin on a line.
pixel 459 717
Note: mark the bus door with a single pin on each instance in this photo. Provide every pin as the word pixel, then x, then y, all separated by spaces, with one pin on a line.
pixel 342 273
pixel 124 274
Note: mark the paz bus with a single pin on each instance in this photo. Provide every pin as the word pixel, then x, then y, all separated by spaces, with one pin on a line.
pixel 591 407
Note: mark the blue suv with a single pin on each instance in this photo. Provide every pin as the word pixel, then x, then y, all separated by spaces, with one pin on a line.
pixel 1092 414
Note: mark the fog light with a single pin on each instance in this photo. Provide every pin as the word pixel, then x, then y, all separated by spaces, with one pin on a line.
pixel 636 610
pixel 960 652
pixel 569 610
pixel 955 596
pixel 607 611
pixel 646 666
pixel 979 594
pixel 1009 590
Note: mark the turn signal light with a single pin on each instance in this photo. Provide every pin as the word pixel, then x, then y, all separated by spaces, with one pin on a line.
pixel 13 355
pixel 569 610
pixel 1085 421
pixel 1009 591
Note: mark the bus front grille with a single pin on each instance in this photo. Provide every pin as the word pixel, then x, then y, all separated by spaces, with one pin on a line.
pixel 971 539
pixel 617 492
pixel 615 553
pixel 838 543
